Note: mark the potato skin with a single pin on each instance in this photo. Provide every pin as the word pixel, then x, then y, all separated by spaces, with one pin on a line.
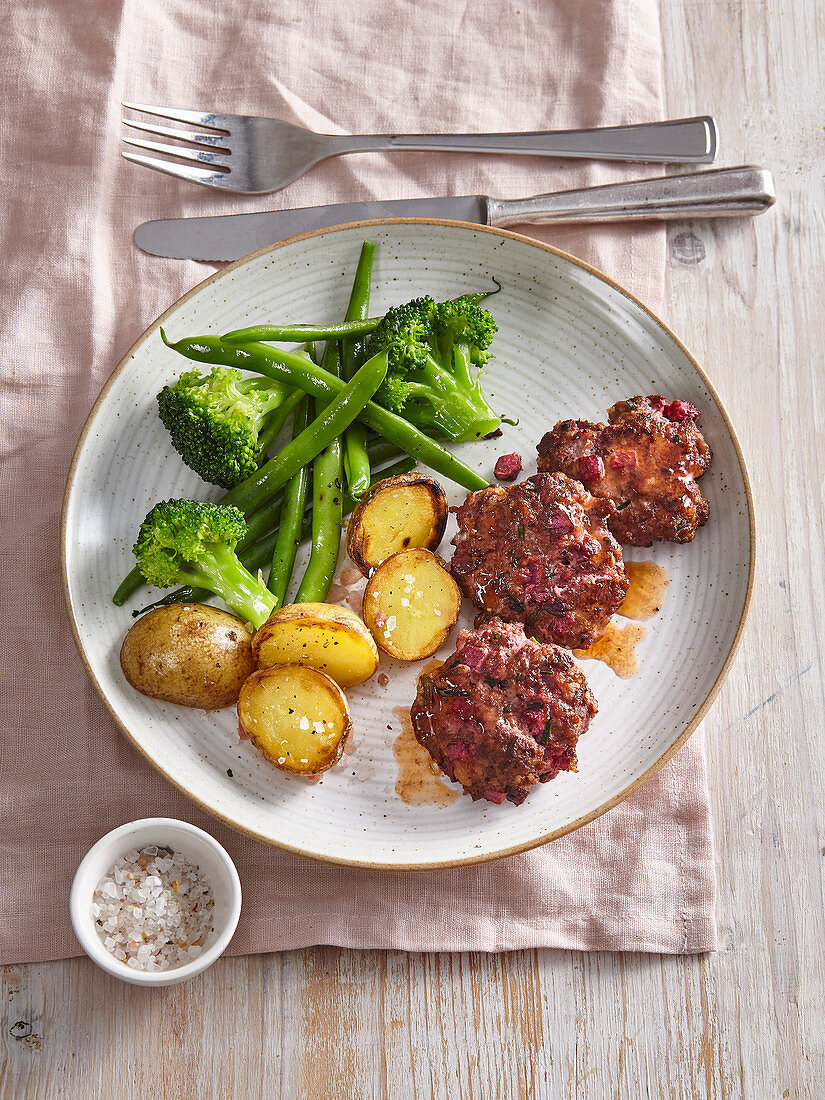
pixel 296 691
pixel 411 618
pixel 325 636
pixel 190 654
pixel 421 506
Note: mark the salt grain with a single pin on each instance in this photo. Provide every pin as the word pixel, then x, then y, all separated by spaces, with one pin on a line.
pixel 153 909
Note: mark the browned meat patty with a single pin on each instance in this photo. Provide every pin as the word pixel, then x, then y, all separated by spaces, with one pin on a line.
pixel 503 713
pixel 646 460
pixel 539 553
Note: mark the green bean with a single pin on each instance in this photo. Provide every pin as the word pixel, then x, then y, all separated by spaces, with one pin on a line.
pixel 286 366
pixel 255 557
pixel 402 466
pixel 353 350
pixel 269 361
pixel 359 326
pixel 348 401
pixel 276 422
pixel 133 580
pixel 380 451
pixel 327 508
pixel 359 299
pixel 259 523
pixel 289 528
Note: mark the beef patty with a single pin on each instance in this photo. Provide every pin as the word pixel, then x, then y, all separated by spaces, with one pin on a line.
pixel 539 553
pixel 503 713
pixel 646 460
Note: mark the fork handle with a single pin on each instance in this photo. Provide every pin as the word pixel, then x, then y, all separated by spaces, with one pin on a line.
pixel 682 140
pixel 720 193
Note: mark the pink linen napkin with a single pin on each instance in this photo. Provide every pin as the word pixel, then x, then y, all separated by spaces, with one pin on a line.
pixel 76 293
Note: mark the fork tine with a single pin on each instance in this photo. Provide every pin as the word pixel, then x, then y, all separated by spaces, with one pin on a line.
pixel 200 118
pixel 182 135
pixel 197 155
pixel 183 171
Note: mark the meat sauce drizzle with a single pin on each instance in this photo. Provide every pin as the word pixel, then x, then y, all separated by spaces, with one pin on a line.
pixel 420 781
pixel 617 647
pixel 648 582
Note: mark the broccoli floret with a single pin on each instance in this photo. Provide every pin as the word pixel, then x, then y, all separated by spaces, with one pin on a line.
pixel 193 543
pixel 394 393
pixel 463 323
pixel 432 349
pixel 215 419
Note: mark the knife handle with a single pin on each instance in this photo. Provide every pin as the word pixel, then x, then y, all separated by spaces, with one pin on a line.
pixel 720 193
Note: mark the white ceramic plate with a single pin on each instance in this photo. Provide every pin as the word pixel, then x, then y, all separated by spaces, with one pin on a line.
pixel 570 343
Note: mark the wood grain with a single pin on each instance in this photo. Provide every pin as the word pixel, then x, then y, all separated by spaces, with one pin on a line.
pixel 747 1022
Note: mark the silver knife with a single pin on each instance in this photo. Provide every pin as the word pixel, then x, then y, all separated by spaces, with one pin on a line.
pixel 719 193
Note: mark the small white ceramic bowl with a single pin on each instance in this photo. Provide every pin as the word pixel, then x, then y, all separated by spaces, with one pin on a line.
pixel 199 848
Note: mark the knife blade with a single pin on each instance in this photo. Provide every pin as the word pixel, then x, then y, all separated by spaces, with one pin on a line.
pixel 721 192
pixel 230 236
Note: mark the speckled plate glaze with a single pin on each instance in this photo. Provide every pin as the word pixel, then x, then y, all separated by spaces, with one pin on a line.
pixel 570 343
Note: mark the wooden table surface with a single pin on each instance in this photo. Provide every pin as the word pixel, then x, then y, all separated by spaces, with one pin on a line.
pixel 749 299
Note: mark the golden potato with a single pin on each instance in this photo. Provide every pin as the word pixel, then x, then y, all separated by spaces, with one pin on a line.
pixel 321 635
pixel 411 604
pixel 399 513
pixel 295 716
pixel 191 654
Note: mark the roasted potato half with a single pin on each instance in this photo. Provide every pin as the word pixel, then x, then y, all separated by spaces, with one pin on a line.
pixel 411 604
pixel 399 513
pixel 296 717
pixel 191 654
pixel 321 635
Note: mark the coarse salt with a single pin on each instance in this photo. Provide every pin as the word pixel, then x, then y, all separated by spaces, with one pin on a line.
pixel 153 909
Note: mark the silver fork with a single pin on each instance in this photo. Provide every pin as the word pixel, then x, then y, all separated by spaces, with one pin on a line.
pixel 255 155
